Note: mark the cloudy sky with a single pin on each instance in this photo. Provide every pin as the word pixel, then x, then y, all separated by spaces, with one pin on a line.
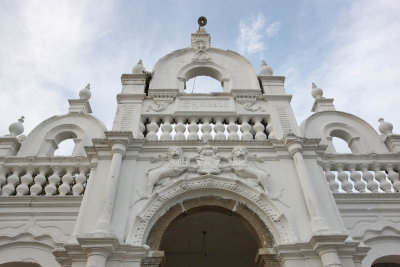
pixel 49 50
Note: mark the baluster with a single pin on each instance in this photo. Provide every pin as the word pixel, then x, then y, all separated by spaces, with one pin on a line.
pixel 232 129
pixel 369 178
pixel 40 179
pixel 245 128
pixel 166 129
pixel 80 179
pixel 356 178
pixel 67 179
pixel 330 177
pixel 152 129
pixel 270 129
pixel 3 175
pixel 26 180
pixel 393 177
pixel 344 178
pixel 54 179
pixel 180 129
pixel 12 181
pixel 380 176
pixel 219 129
pixel 193 129
pixel 140 132
pixel 206 129
pixel 259 129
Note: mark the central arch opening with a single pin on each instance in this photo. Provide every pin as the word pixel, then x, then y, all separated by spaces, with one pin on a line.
pixel 209 237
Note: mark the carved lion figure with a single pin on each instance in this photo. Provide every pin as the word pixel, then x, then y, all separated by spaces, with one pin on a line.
pixel 240 167
pixel 174 167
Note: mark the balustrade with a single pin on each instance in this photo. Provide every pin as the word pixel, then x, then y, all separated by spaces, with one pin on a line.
pixel 43 180
pixel 218 128
pixel 373 177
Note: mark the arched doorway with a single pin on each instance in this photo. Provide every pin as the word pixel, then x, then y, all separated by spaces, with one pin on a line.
pixel 19 264
pixel 387 261
pixel 208 238
pixel 209 231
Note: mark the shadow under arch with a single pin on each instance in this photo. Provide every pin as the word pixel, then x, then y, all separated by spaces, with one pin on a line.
pixel 226 188
pixel 387 261
pixel 20 264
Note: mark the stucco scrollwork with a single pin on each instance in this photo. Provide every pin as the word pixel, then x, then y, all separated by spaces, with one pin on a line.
pixel 157 106
pixel 208 162
pixel 252 107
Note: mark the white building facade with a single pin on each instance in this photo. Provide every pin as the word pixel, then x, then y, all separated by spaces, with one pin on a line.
pixel 219 179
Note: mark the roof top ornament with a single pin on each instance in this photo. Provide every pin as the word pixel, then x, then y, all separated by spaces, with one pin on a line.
pixel 17 128
pixel 266 70
pixel 85 92
pixel 201 38
pixel 385 128
pixel 139 68
pixel 316 91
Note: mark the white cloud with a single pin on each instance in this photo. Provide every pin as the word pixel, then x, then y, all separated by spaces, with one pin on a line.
pixel 250 38
pixel 362 70
pixel 41 55
pixel 273 28
pixel 252 34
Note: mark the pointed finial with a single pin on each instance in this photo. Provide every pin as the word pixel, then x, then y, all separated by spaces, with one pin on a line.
pixel 316 92
pixel 385 128
pixel 85 92
pixel 17 128
pixel 266 70
pixel 138 68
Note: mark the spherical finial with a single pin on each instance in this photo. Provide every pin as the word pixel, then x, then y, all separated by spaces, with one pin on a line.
pixel 316 92
pixel 385 128
pixel 17 128
pixel 202 21
pixel 138 68
pixel 85 93
pixel 266 70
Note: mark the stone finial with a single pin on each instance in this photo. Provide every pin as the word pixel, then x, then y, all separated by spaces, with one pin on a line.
pixel 201 39
pixel 138 68
pixel 85 92
pixel 266 70
pixel 17 128
pixel 316 91
pixel 385 128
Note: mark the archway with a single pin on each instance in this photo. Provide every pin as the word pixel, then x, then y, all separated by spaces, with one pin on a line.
pixel 208 237
pixel 209 231
pixel 20 264
pixel 387 261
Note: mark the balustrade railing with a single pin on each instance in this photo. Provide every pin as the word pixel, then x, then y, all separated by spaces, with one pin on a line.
pixel 362 176
pixel 49 179
pixel 217 128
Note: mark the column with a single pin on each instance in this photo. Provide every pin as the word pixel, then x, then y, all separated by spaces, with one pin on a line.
pixel 318 224
pixel 103 225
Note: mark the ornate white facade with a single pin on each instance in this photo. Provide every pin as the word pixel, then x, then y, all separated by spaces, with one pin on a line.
pixel 266 190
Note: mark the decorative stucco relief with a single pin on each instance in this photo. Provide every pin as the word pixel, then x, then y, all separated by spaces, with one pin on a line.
pixel 253 197
pixel 208 162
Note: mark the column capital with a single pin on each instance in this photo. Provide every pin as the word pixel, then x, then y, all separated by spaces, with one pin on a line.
pixel 293 143
pixel 119 140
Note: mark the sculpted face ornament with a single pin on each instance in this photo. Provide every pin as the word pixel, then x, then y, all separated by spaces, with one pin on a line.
pixel 207 163
pixel 174 167
pixel 241 168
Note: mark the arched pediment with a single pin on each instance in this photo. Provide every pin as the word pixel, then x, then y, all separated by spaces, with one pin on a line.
pixel 359 135
pixel 231 69
pixel 196 187
pixel 44 137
